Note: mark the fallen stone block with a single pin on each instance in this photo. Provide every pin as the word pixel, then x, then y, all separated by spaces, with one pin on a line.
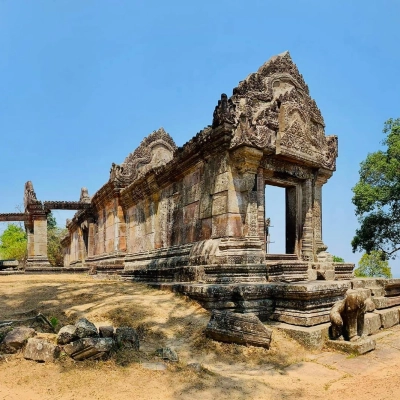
pixel 106 331
pixel 41 350
pixel 85 329
pixel 372 323
pixel 89 348
pixel 167 353
pixel 127 337
pixel 245 329
pixel 389 317
pixel 67 334
pixel 358 347
pixel 16 339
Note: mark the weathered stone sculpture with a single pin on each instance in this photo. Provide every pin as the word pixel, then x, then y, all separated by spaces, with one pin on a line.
pixel 245 329
pixel 347 315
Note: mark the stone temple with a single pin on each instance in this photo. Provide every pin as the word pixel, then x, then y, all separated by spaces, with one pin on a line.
pixel 192 218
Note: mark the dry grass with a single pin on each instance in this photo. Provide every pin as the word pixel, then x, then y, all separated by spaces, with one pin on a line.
pixel 162 319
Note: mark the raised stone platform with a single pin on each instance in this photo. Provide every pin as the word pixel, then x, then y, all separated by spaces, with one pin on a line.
pixel 301 304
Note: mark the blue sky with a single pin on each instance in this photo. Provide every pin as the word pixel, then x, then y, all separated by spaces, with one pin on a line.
pixel 82 82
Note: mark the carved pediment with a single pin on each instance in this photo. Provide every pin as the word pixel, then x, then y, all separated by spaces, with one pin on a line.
pixel 273 111
pixel 155 150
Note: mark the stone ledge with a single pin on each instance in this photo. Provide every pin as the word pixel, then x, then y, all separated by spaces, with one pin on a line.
pixel 358 347
pixel 389 317
pixel 312 337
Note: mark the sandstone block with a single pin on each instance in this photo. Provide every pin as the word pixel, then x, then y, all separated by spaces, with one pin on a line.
pixel 89 348
pixel 67 334
pixel 389 317
pixel 246 329
pixel 106 331
pixel 41 350
pixel 16 339
pixel 85 328
pixel 358 347
pixel 167 353
pixel 372 323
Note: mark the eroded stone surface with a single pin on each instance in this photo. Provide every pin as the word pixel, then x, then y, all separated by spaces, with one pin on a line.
pixel 67 334
pixel 41 350
pixel 89 348
pixel 85 328
pixel 361 346
pixel 245 329
pixel 16 339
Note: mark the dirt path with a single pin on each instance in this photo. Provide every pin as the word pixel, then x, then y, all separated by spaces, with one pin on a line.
pixel 287 371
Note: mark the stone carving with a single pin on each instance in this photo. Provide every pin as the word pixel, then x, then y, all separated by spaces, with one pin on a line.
pixel 155 150
pixel 29 195
pixel 347 315
pixel 245 329
pixel 272 109
pixel 84 198
pixel 224 112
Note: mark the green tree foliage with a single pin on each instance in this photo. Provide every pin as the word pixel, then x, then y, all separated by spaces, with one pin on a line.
pixel 54 237
pixel 51 221
pixel 377 196
pixel 13 243
pixel 338 259
pixel 374 264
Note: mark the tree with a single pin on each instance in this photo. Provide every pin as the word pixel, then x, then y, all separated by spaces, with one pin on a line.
pixel 374 264
pixel 13 243
pixel 54 237
pixel 338 259
pixel 377 197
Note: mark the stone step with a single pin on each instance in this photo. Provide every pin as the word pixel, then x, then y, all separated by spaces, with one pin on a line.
pixel 280 257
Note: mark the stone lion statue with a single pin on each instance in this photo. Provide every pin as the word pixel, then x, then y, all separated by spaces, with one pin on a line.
pixel 347 315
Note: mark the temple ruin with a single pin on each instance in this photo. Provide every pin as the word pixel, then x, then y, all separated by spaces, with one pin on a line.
pixel 192 218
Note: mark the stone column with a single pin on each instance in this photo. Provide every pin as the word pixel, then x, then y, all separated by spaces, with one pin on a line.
pixel 37 243
pixel 31 242
pixel 307 236
pixel 261 207
pixel 90 237
pixel 317 213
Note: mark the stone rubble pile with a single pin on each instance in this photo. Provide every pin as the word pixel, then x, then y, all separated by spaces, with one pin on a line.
pixel 82 341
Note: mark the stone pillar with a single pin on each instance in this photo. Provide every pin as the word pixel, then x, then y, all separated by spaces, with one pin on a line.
pixel 307 236
pixel 31 242
pixel 317 213
pixel 261 207
pixel 37 243
pixel 90 249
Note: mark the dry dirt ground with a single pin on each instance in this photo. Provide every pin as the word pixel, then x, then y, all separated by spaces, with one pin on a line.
pixel 286 371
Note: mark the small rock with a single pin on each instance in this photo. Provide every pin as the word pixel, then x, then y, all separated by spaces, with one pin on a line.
pixel 89 348
pixel 16 339
pixel 195 366
pixel 41 350
pixel 127 337
pixel 106 331
pixel 85 329
pixel 67 334
pixel 167 354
